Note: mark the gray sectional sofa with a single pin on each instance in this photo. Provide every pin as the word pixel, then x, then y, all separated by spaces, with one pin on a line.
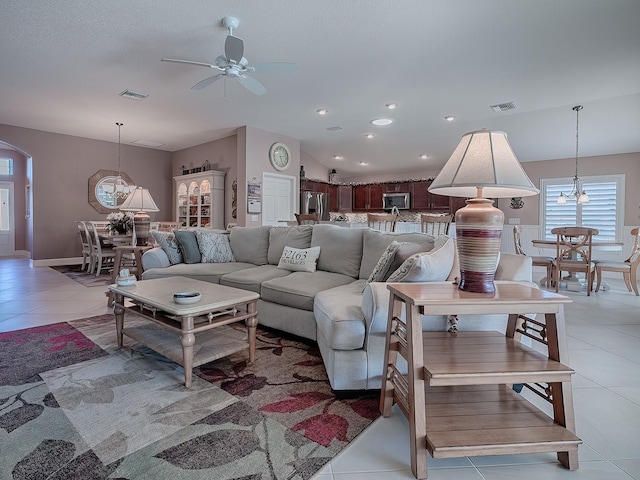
pixel 333 305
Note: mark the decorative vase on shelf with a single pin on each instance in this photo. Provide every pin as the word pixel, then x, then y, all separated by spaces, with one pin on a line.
pixel 333 176
pixel 302 174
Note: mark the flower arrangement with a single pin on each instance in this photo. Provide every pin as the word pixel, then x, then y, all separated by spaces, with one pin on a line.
pixel 120 223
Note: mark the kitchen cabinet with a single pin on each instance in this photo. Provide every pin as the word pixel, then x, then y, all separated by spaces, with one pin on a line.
pixel 422 199
pixel 397 187
pixel 367 197
pixel 345 198
pixel 200 199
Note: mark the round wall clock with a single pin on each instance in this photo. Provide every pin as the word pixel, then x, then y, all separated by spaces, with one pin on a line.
pixel 280 156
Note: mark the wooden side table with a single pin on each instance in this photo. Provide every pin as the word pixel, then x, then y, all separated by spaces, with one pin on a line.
pixel 117 264
pixel 457 393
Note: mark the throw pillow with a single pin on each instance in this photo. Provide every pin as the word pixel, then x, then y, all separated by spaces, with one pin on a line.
pixel 382 267
pixel 299 259
pixel 188 246
pixel 214 247
pixel 167 241
pixel 433 266
pixel 406 250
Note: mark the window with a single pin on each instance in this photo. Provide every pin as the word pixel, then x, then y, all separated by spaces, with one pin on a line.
pixel 6 166
pixel 605 210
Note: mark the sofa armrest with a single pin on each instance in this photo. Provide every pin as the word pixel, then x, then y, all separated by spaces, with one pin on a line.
pixel 155 258
pixel 518 268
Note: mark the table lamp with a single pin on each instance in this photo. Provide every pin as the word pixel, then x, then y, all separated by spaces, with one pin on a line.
pixel 141 202
pixel 483 164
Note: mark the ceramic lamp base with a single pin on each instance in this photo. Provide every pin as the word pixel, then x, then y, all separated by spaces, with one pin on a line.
pixel 142 225
pixel 478 234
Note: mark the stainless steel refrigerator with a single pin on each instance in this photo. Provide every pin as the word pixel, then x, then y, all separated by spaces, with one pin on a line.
pixel 315 202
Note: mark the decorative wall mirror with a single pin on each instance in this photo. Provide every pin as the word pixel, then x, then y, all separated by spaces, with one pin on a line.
pixel 101 188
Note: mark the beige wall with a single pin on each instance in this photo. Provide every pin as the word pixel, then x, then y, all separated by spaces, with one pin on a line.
pixel 314 169
pixel 62 165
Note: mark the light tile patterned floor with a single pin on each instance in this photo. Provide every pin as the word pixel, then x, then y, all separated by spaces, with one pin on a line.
pixel 604 345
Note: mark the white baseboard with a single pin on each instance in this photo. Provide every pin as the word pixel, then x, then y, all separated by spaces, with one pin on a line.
pixel 56 262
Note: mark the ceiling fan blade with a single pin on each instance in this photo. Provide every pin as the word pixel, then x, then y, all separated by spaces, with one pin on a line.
pixel 188 62
pixel 251 84
pixel 233 48
pixel 275 67
pixel 207 81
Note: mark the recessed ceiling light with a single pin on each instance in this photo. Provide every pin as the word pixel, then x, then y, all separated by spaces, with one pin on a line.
pixel 391 106
pixel 449 118
pixel 424 156
pixel 322 111
pixel 369 135
pixel 363 163
pixel 382 121
pixel 338 157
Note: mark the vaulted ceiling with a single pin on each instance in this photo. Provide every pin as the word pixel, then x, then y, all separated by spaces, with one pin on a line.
pixel 64 64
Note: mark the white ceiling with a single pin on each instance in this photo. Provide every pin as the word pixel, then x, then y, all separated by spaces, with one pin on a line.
pixel 63 64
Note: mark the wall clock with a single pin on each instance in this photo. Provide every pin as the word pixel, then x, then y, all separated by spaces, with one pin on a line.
pixel 280 156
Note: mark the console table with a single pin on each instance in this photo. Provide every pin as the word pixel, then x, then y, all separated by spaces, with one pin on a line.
pixel 457 391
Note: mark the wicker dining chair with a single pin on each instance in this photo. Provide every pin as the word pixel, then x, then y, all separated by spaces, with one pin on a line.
pixel 573 253
pixel 628 268
pixel 435 224
pixel 537 261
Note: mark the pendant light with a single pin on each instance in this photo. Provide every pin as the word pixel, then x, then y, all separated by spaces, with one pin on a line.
pixel 580 195
pixel 120 187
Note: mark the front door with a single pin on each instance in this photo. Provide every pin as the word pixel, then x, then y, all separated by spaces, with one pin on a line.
pixel 278 199
pixel 7 234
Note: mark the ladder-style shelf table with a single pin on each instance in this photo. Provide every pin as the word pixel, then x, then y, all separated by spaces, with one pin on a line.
pixel 457 391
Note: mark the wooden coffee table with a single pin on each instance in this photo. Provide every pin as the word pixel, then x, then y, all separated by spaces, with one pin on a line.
pixel 218 307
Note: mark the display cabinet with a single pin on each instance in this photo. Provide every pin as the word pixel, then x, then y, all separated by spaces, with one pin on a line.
pixel 200 199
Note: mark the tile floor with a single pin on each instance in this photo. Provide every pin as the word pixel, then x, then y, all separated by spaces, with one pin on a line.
pixel 604 344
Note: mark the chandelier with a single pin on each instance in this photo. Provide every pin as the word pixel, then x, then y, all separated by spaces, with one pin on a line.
pixel 580 195
pixel 119 189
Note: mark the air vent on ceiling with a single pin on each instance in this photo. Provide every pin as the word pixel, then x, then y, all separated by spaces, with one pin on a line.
pixel 147 143
pixel 333 129
pixel 503 107
pixel 134 95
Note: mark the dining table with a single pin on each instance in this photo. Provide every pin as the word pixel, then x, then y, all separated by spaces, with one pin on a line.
pixel 573 282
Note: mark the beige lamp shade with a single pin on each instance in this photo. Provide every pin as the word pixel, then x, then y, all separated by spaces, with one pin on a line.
pixel 141 202
pixel 482 165
pixel 483 159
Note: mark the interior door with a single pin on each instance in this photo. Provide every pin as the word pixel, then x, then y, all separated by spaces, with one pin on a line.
pixel 7 233
pixel 278 198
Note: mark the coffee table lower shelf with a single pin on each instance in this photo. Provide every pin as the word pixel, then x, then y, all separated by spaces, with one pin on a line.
pixel 480 420
pixel 211 344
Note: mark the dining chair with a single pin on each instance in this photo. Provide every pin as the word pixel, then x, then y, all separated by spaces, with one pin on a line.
pixel 103 255
pixel 435 224
pixel 628 268
pixel 86 246
pixel 573 253
pixel 385 222
pixel 307 218
pixel 537 261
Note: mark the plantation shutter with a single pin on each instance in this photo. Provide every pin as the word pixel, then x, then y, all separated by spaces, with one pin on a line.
pixel 558 215
pixel 601 211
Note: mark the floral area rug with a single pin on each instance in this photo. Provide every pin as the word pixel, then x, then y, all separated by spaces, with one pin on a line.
pixel 75 406
pixel 75 272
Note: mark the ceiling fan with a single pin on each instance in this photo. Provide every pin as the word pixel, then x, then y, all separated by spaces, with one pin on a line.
pixel 233 64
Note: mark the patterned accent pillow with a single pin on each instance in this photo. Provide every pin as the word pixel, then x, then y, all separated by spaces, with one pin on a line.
pixel 382 267
pixel 214 247
pixel 167 241
pixel 432 266
pixel 299 259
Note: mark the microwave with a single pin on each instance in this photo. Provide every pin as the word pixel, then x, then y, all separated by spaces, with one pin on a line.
pixel 399 200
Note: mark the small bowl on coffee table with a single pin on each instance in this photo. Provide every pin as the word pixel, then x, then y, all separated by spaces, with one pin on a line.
pixel 186 298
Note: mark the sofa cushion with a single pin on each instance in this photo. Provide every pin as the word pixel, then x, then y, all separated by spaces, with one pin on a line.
pixel 298 289
pixel 340 249
pixel 188 246
pixel 208 272
pixel 167 241
pixel 299 259
pixel 374 244
pixel 432 266
pixel 252 278
pixel 250 244
pixel 382 267
pixel 339 316
pixel 214 247
pixel 279 237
